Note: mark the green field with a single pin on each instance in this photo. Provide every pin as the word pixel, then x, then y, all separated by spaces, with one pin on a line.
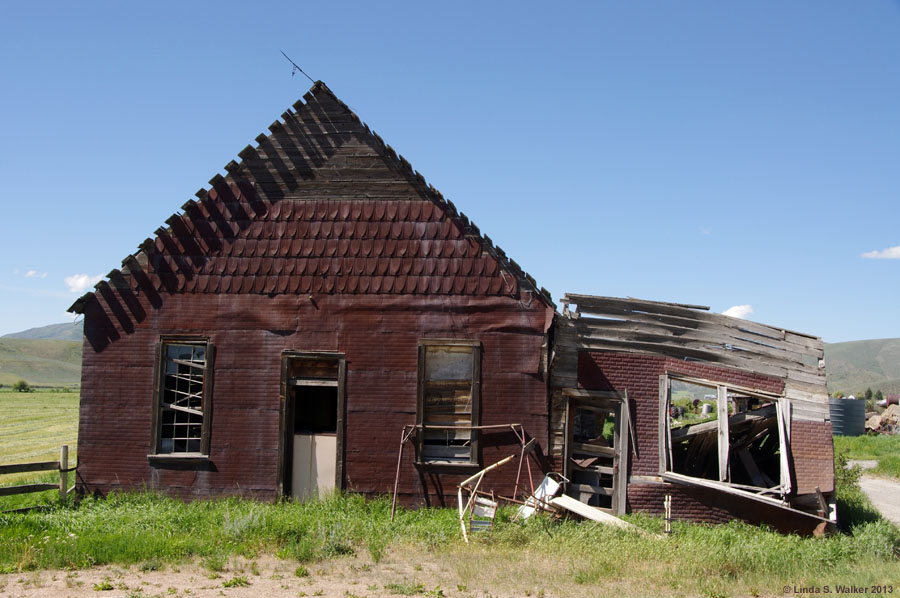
pixel 537 557
pixel 32 428
pixel 883 448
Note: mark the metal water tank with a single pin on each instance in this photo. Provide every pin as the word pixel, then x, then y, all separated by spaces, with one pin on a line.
pixel 848 416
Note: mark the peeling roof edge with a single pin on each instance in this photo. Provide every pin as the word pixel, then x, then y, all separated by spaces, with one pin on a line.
pixel 415 178
pixel 573 298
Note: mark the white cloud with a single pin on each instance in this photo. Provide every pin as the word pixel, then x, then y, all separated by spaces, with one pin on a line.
pixel 78 283
pixel 738 311
pixel 35 274
pixel 891 253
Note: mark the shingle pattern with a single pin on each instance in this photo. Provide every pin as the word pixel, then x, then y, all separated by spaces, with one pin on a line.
pixel 320 205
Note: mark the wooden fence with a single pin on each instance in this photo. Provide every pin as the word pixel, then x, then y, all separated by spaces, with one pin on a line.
pixel 62 466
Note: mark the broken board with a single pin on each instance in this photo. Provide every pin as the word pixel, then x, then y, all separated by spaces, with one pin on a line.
pixel 588 512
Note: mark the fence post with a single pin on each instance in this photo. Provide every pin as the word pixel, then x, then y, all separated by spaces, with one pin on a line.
pixel 63 472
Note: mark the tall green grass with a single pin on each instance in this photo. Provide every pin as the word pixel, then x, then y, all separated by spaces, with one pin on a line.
pixel 131 528
pixel 143 528
pixel 867 447
pixel 888 466
pixel 883 448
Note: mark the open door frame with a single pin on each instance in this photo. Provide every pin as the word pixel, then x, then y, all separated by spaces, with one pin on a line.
pixel 616 402
pixel 286 415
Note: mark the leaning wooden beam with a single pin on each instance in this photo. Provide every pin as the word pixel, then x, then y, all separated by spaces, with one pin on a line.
pixel 760 414
pixel 722 486
pixel 588 512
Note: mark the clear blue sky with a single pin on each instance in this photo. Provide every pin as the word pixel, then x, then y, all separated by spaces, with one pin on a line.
pixel 725 154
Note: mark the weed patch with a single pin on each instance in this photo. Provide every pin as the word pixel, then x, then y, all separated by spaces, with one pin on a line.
pixel 239 581
pixel 405 588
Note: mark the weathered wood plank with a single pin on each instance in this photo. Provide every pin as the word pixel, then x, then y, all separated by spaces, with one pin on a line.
pixel 642 309
pixel 722 411
pixel 26 489
pixel 663 444
pixel 731 350
pixel 582 393
pixel 709 334
pixel 605 470
pixel 26 467
pixel 590 489
pixel 747 364
pixel 592 449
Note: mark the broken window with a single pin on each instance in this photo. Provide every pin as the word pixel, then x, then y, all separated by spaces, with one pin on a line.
pixel 182 397
pixel 449 394
pixel 724 434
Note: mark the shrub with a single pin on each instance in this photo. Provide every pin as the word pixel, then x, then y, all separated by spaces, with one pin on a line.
pixel 22 386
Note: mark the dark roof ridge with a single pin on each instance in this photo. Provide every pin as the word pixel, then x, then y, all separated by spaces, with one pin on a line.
pixel 417 181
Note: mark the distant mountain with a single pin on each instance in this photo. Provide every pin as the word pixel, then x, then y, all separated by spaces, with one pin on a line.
pixel 853 366
pixel 69 331
pixel 40 362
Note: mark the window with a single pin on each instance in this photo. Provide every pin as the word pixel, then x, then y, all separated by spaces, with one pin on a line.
pixel 448 401
pixel 182 398
pixel 727 435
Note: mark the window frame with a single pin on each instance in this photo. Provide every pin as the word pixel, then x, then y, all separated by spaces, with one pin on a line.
pixel 474 461
pixel 159 390
pixel 783 416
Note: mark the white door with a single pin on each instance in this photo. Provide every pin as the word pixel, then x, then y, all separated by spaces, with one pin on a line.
pixel 314 465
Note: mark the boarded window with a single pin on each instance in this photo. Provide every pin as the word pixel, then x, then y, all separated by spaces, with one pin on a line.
pixel 449 373
pixel 182 397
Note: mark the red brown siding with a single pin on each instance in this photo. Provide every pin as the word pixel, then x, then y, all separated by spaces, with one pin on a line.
pixel 321 238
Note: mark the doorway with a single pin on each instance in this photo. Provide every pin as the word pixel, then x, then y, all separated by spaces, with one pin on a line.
pixel 312 425
pixel 595 455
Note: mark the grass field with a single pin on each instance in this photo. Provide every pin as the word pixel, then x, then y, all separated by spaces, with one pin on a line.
pixel 32 428
pixel 540 557
pixel 883 448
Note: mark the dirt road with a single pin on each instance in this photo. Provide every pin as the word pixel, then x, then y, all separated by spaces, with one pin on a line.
pixel 884 493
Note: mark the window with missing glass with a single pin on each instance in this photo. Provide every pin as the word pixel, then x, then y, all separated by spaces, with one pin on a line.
pixel 724 434
pixel 182 397
pixel 449 401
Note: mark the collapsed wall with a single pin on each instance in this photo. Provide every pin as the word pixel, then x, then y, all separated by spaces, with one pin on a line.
pixel 726 416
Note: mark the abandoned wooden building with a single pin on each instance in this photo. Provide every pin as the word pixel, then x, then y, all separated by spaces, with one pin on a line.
pixel 278 335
